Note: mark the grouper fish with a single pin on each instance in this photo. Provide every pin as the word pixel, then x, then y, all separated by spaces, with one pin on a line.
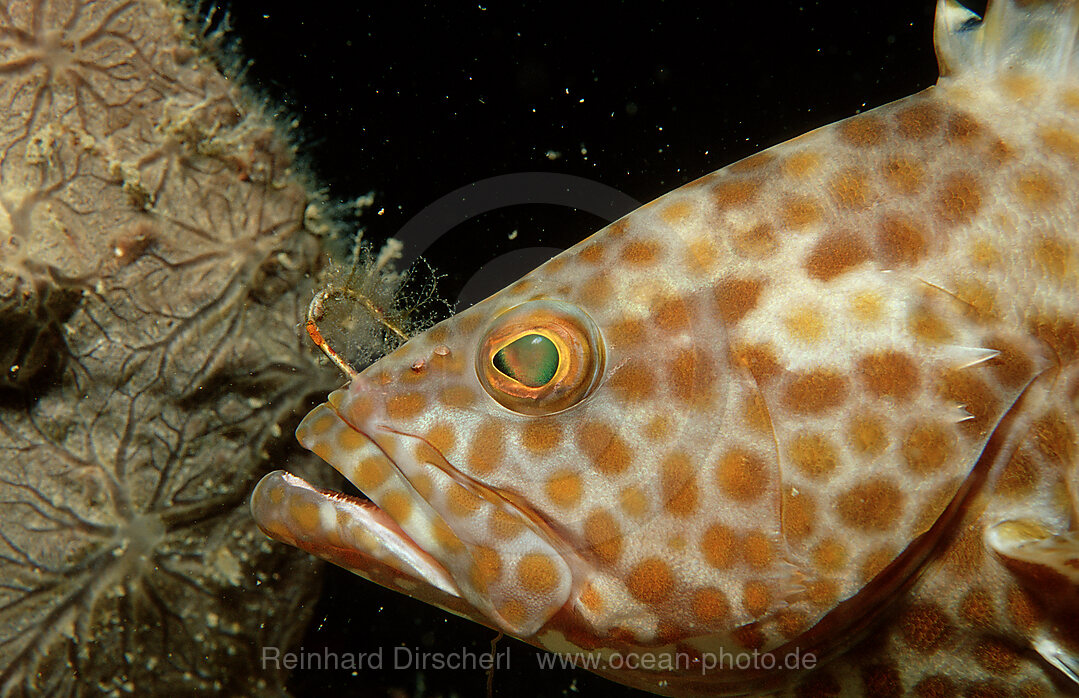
pixel 821 403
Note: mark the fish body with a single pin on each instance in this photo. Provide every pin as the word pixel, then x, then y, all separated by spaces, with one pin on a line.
pixel 820 403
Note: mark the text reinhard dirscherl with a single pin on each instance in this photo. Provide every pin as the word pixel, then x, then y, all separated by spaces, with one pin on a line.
pixel 465 659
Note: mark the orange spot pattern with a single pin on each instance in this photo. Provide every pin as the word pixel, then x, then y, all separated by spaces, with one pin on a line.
pixel 836 254
pixel 782 383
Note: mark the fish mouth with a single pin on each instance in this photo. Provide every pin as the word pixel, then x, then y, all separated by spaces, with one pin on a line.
pixel 363 534
pixel 425 528
pixel 351 532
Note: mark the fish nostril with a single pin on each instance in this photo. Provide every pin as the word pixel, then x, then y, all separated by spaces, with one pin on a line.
pixel 419 365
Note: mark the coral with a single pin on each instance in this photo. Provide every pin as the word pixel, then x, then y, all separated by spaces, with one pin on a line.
pixel 155 267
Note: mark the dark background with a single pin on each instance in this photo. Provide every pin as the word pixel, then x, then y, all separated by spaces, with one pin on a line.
pixel 413 100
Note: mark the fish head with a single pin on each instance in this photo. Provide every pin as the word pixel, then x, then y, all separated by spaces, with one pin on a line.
pixel 538 461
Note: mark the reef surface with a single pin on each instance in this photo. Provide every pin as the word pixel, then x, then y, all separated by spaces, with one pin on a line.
pixel 157 253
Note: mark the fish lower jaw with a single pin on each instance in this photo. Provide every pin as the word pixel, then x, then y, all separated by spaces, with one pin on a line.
pixel 348 531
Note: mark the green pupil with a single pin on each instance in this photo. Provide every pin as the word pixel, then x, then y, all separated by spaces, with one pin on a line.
pixel 531 360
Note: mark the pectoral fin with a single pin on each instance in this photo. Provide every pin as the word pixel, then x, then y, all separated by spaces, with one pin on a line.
pixel 1029 542
pixel 1048 564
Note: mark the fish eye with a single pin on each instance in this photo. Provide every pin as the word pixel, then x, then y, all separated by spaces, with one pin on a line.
pixel 531 359
pixel 540 357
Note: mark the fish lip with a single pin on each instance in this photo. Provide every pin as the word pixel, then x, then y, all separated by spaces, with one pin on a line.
pixel 378 432
pixel 349 527
pixel 408 464
pixel 375 432
pixel 341 544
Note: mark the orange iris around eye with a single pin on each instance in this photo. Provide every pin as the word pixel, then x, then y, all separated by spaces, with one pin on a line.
pixel 540 357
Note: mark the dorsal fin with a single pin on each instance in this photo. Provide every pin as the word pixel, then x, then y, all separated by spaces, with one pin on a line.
pixel 1035 36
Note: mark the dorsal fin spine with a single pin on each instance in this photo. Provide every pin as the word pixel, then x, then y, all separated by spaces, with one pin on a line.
pixel 1035 36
